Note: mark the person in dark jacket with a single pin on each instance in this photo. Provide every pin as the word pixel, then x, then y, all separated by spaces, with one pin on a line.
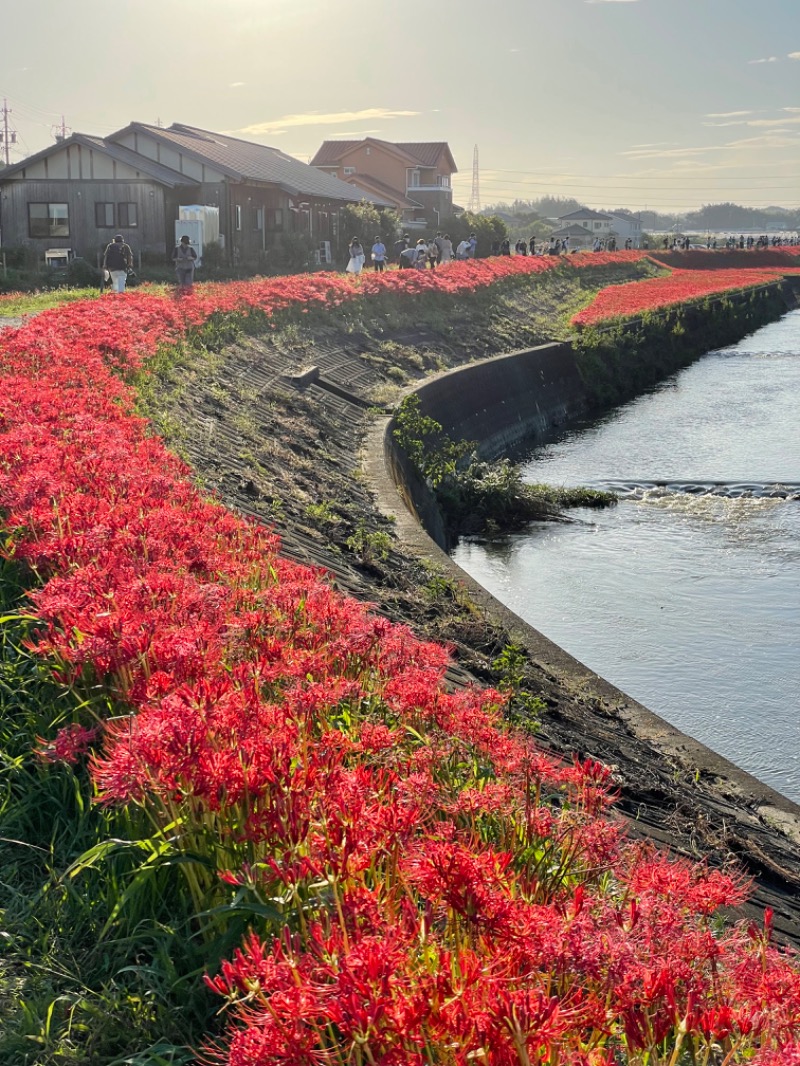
pixel 118 260
pixel 184 257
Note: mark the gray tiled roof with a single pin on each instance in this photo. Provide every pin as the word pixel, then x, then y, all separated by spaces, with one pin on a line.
pixel 246 161
pixel 585 212
pixel 424 153
pixel 571 231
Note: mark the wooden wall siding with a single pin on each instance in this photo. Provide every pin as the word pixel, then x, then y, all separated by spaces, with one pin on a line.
pixel 84 235
pixel 76 162
pixel 170 157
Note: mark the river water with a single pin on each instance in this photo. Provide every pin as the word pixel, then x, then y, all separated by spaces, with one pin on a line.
pixel 687 594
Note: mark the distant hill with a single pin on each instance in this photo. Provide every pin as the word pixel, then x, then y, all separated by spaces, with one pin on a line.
pixel 724 216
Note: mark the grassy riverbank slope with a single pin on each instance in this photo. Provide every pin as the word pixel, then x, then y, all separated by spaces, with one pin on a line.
pixel 165 614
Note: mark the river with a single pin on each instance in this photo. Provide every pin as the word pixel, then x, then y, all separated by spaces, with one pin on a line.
pixel 687 594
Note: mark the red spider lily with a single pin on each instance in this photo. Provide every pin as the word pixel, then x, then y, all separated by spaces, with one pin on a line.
pixel 682 286
pixel 69 744
pixel 450 891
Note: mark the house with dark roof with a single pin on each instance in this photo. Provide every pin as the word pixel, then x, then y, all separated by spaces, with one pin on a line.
pixel 584 226
pixel 414 175
pixel 82 190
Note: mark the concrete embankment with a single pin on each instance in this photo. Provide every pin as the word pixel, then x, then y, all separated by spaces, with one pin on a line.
pixel 523 395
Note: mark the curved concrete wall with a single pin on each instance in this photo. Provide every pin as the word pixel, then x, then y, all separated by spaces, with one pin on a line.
pixel 498 402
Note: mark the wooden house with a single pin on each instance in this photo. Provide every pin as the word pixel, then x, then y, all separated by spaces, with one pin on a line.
pixel 81 191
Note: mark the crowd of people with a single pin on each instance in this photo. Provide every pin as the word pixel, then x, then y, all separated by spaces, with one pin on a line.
pixel 408 254
pixel 422 254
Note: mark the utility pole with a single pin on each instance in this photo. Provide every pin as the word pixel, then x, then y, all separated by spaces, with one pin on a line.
pixel 474 205
pixel 61 132
pixel 9 136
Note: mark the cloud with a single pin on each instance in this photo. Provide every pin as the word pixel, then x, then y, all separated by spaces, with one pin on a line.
pixel 794 55
pixel 728 114
pixel 236 85
pixel 772 139
pixel 769 59
pixel 317 118
pixel 762 123
pixel 672 153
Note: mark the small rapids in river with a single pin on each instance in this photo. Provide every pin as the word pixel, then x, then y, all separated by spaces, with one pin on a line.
pixel 687 594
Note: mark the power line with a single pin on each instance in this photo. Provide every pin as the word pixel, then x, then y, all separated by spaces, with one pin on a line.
pixel 8 135
pixel 592 177
pixel 742 183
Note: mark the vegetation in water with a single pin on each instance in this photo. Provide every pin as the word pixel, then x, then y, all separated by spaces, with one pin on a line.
pixel 477 496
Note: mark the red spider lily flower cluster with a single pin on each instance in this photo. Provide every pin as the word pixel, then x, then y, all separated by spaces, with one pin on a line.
pixel 443 890
pixel 682 286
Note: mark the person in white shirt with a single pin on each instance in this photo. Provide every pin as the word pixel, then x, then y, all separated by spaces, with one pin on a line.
pixel 446 249
pixel 356 257
pixel 408 257
pixel 378 254
pixel 462 251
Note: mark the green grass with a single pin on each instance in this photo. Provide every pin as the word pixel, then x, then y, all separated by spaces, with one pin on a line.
pixel 100 959
pixel 15 304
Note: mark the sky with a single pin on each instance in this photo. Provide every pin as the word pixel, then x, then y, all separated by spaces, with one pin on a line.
pixel 660 104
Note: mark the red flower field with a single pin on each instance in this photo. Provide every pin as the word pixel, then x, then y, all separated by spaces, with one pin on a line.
pixel 682 286
pixel 440 889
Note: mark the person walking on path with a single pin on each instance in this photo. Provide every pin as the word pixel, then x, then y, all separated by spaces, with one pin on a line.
pixel 118 260
pixel 446 251
pixel 378 255
pixel 185 258
pixel 356 257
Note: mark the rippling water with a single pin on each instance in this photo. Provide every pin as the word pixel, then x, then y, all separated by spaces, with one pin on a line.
pixel 686 595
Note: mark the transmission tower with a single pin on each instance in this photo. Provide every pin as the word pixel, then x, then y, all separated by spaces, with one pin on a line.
pixel 62 131
pixel 7 135
pixel 474 205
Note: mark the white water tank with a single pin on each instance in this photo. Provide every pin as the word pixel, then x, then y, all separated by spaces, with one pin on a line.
pixel 193 229
pixel 206 215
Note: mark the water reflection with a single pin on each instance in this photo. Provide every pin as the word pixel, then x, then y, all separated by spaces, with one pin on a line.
pixel 687 594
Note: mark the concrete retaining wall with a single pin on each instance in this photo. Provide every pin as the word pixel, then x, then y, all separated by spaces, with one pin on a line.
pixel 499 402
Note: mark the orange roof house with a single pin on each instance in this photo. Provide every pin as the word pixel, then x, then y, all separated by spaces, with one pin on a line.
pixel 414 176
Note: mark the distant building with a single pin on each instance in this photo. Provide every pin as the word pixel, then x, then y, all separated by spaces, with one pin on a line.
pixel 584 226
pixel 82 190
pixel 626 226
pixel 414 176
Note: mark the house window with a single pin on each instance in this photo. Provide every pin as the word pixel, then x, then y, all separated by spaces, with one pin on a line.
pixel 127 216
pixel 48 220
pixel 349 170
pixel 274 218
pixel 238 211
pixel 104 216
pixel 444 181
pixel 414 179
pixel 598 225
